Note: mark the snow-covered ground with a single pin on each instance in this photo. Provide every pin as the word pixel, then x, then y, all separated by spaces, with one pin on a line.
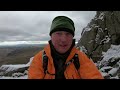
pixel 8 68
pixel 110 64
pixel 22 77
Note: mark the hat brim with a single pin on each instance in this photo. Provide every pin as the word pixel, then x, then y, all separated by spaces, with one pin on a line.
pixel 62 29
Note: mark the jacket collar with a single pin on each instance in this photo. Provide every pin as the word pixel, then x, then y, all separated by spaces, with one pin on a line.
pixel 72 51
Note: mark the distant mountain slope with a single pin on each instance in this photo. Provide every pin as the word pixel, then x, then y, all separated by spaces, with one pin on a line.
pixel 19 54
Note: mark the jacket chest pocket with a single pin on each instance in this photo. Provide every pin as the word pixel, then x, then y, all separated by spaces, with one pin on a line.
pixel 49 76
pixel 71 72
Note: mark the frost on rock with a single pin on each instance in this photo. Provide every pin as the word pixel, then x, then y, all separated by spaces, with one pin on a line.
pixel 83 49
pixel 18 71
pixel 110 64
pixel 101 16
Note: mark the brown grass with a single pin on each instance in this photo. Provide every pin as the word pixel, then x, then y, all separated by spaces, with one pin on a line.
pixel 20 55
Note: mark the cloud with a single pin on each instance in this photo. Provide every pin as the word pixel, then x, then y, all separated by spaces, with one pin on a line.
pixel 35 25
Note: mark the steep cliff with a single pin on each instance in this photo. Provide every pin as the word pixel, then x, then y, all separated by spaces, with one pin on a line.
pixel 100 33
pixel 100 40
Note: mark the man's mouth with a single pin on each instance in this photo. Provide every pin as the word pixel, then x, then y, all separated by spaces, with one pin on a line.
pixel 63 45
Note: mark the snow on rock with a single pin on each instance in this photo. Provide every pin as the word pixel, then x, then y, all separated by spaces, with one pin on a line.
pixel 83 49
pixel 113 71
pixel 28 64
pixel 22 77
pixel 114 51
pixel 101 16
pixel 110 64
pixel 18 71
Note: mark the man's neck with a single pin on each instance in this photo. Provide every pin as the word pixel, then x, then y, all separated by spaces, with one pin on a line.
pixel 54 52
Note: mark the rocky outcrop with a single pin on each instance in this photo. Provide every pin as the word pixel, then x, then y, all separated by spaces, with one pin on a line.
pixel 17 70
pixel 11 71
pixel 100 40
pixel 102 32
pixel 110 64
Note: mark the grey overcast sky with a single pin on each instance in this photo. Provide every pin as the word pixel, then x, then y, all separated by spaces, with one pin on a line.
pixel 35 25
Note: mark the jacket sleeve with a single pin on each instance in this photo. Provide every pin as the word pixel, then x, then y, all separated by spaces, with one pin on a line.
pixel 35 70
pixel 88 70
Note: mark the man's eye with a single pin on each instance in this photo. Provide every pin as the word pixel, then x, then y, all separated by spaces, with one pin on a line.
pixel 59 33
pixel 68 33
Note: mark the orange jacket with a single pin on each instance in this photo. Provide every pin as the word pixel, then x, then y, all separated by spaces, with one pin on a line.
pixel 87 69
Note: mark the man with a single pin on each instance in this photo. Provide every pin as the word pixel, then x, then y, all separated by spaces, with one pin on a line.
pixel 60 53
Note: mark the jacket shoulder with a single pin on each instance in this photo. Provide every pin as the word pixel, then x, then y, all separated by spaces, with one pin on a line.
pixel 82 57
pixel 79 52
pixel 35 70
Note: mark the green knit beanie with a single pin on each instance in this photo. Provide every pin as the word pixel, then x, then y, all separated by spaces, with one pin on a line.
pixel 62 23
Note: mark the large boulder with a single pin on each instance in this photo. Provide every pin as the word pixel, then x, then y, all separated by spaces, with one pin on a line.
pixel 100 33
pixel 15 70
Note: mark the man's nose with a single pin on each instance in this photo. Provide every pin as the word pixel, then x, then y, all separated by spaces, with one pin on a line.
pixel 64 37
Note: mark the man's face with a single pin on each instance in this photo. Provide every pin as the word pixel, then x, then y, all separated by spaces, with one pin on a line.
pixel 61 41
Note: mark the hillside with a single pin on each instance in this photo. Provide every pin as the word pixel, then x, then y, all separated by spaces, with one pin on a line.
pixel 19 54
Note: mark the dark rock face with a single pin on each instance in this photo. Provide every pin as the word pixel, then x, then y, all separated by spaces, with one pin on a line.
pixel 100 40
pixel 100 33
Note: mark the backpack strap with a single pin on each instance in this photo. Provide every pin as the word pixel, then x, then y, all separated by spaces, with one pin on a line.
pixel 45 61
pixel 74 60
